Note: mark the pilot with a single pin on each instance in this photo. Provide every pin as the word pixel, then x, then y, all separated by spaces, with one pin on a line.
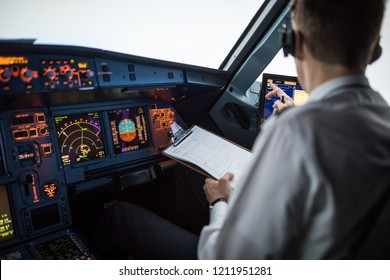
pixel 320 179
pixel 321 174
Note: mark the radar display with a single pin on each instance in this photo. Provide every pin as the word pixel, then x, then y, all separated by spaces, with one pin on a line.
pixel 79 137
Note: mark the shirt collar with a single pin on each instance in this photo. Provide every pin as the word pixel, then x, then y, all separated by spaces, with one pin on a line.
pixel 329 88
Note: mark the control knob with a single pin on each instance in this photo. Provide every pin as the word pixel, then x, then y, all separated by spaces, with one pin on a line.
pixel 50 73
pixel 69 74
pixel 26 74
pixel 88 74
pixel 43 130
pixel 66 71
pixel 5 75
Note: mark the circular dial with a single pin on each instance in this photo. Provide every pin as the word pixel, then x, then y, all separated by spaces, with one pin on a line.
pixel 80 138
pixel 5 74
pixel 127 131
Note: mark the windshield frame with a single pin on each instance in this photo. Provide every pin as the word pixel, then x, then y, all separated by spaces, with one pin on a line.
pixel 253 34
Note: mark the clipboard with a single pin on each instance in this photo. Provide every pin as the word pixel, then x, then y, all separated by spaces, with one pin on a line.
pixel 209 154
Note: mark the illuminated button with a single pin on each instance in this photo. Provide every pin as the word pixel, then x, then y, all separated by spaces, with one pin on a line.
pixel 46 149
pixel 33 132
pixel 20 134
pixel 50 190
pixel 40 118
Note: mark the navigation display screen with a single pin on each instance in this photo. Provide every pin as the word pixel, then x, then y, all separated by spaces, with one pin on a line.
pixel 79 137
pixel 6 224
pixel 129 129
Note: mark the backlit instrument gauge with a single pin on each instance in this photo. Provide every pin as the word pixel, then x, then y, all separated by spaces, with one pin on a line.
pixel 129 129
pixel 79 137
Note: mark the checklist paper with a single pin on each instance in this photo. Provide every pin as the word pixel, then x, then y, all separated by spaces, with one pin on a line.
pixel 210 154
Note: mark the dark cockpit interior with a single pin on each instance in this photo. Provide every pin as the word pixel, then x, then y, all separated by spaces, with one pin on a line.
pixel 80 127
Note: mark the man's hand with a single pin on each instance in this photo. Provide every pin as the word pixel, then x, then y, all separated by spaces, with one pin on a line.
pixel 215 189
pixel 284 101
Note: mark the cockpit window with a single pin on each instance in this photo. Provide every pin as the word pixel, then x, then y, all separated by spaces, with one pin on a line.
pixel 198 32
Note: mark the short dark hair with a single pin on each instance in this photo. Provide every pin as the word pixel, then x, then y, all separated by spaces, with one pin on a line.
pixel 340 31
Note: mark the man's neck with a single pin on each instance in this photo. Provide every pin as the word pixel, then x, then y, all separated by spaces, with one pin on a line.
pixel 317 73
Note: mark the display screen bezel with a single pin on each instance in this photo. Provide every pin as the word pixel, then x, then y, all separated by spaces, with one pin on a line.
pixel 3 166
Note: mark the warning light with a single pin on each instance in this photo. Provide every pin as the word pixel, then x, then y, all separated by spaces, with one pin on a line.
pixel 83 65
pixel 50 189
pixel 11 60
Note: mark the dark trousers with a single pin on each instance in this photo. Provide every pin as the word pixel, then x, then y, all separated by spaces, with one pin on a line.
pixel 130 231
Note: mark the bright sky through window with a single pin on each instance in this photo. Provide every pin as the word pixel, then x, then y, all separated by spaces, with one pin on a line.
pixel 200 32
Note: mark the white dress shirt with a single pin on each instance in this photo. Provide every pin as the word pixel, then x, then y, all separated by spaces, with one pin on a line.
pixel 318 171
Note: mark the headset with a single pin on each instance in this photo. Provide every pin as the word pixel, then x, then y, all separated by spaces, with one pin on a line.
pixel 287 41
pixel 376 54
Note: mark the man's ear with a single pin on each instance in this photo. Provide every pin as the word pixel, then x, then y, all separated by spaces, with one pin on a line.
pixel 299 39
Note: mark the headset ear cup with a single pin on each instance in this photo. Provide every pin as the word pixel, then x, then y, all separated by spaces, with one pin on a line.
pixel 287 38
pixel 291 39
pixel 376 54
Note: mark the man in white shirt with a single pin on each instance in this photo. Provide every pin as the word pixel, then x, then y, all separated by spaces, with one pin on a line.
pixel 322 171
